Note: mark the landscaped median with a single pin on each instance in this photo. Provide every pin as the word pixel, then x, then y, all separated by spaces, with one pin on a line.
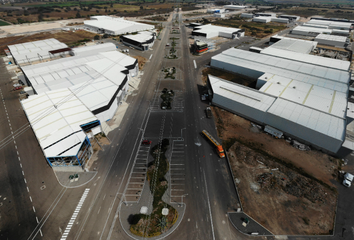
pixel 156 223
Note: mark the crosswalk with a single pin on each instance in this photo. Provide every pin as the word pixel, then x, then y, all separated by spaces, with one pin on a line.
pixel 138 175
pixel 75 214
pixel 177 171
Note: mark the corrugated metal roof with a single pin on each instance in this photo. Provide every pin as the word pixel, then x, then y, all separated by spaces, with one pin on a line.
pixel 67 72
pixel 238 93
pixel 55 116
pixel 306 58
pixel 316 75
pixel 307 30
pixel 34 51
pixel 294 45
pixel 215 30
pixel 331 38
pixel 316 120
pixel 118 25
pixel 331 24
pixel 323 99
pixel 140 37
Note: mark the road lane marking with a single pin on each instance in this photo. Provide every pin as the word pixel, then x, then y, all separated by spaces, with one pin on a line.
pixel 75 214
pixel 34 210
pixel 211 217
pixel 37 220
pixel 150 56
pixel 27 189
pixel 31 201
pixel 195 64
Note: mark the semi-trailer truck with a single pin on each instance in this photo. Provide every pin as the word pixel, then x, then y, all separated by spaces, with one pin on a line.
pixel 217 145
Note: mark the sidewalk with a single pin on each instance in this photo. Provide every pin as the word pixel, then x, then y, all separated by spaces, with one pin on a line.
pixel 253 228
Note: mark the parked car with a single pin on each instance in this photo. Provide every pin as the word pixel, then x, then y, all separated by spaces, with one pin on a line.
pixel 22 92
pixel 348 178
pixel 17 88
pixel 146 142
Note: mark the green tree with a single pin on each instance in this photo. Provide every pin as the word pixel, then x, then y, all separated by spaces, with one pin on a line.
pixel 96 37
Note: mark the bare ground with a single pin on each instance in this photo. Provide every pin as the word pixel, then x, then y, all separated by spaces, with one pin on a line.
pixel 285 189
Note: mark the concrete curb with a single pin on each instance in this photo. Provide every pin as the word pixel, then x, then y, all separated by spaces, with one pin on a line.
pixel 77 185
pixel 233 179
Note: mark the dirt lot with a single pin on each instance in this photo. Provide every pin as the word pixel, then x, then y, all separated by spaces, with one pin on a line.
pixel 275 179
pixel 68 38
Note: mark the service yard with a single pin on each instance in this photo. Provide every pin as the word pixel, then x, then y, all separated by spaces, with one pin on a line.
pixel 287 190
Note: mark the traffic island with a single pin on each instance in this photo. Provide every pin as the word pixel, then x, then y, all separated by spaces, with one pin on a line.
pixel 163 216
pixel 167 99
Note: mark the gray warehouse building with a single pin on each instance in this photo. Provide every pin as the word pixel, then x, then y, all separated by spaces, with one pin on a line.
pixel 302 95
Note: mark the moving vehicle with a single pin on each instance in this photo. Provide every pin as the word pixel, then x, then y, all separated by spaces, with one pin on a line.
pixel 348 178
pixel 146 142
pixel 208 112
pixel 217 145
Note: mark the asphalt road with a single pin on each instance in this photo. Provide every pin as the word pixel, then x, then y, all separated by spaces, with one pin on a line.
pixel 207 188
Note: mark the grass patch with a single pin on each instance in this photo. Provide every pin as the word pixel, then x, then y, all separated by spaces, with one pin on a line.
pixel 2 23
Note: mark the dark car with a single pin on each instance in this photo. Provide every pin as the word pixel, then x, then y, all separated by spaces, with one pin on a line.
pixel 146 142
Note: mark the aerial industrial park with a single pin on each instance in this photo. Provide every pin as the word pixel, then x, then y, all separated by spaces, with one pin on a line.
pixel 176 120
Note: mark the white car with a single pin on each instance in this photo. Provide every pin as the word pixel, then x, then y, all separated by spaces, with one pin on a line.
pixel 348 178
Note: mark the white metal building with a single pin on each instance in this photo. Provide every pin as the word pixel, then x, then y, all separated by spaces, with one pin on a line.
pixel 255 65
pixel 93 49
pixel 280 20
pixel 331 40
pixel 142 41
pixel 246 15
pixel 292 44
pixel 290 17
pixel 262 19
pixel 32 52
pixel 60 122
pixel 210 31
pixel 100 81
pixel 332 24
pixel 313 60
pixel 312 126
pixel 308 30
pixel 115 26
pixel 234 7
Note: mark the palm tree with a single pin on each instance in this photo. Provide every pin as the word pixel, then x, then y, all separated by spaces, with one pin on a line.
pixel 162 223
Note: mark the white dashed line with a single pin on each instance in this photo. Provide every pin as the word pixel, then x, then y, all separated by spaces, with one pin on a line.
pixel 23 173
pixel 37 220
pixel 31 201
pixel 25 180
pixel 27 189
pixel 34 210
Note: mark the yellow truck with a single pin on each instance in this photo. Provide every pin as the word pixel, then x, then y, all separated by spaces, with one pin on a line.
pixel 217 145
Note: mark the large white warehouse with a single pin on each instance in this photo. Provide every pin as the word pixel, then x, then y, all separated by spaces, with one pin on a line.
pixel 115 26
pixel 34 52
pixel 80 92
pixel 302 95
pixel 332 40
pixel 142 40
pixel 210 31
pixel 315 127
